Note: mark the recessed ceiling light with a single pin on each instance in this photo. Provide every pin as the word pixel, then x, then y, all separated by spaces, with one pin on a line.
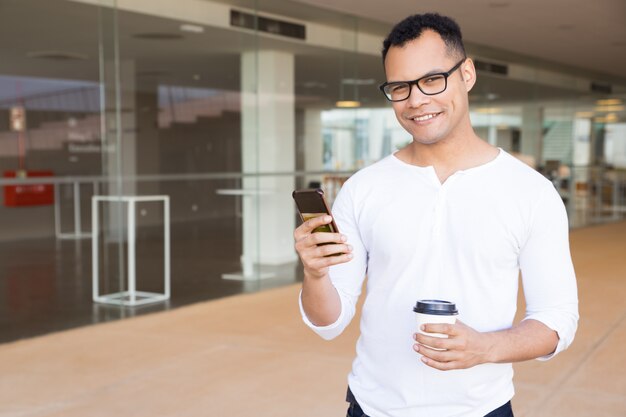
pixel 314 84
pixel 609 108
pixel 348 104
pixel 57 55
pixel 489 110
pixel 196 77
pixel 609 102
pixel 158 36
pixel 187 27
pixel 358 81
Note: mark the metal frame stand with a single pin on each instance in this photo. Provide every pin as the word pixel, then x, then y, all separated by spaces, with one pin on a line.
pixel 131 297
pixel 78 232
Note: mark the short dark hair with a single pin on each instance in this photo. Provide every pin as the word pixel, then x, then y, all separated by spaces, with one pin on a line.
pixel 413 26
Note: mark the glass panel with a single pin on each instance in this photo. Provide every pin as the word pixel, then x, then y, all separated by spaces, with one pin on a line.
pixel 608 154
pixel 192 89
pixel 195 104
pixel 49 79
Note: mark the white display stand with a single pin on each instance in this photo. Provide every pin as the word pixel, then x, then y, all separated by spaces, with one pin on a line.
pixel 248 272
pixel 78 232
pixel 132 297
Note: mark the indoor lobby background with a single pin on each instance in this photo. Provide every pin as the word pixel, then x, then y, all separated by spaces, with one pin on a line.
pixel 154 144
pixel 225 107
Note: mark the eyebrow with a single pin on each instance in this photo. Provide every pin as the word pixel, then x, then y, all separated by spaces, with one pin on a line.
pixel 433 72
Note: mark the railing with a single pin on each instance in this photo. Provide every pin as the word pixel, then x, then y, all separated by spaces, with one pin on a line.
pixel 592 194
pixel 169 177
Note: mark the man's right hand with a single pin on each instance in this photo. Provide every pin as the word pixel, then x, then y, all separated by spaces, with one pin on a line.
pixel 317 250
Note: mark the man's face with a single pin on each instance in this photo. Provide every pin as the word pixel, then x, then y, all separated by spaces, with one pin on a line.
pixel 430 119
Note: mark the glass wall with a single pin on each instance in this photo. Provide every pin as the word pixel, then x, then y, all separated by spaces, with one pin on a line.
pixel 177 135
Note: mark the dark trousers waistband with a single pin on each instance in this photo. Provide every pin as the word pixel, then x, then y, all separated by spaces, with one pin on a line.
pixel 354 409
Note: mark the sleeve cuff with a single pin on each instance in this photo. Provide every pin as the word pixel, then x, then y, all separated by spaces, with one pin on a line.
pixel 327 332
pixel 564 338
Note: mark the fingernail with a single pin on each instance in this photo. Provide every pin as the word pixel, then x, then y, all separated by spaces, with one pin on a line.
pixel 416 347
pixel 422 327
pixel 327 218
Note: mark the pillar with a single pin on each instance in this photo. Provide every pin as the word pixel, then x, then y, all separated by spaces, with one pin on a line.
pixel 313 143
pixel 268 146
pixel 532 132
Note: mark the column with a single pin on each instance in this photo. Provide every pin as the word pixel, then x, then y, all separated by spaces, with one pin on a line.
pixel 119 156
pixel 532 132
pixel 582 142
pixel 268 146
pixel 313 144
pixel 492 136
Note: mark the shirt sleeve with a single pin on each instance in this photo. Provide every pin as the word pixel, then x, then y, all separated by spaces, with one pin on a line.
pixel 347 278
pixel 547 271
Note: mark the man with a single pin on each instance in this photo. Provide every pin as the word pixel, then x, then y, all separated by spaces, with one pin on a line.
pixel 448 217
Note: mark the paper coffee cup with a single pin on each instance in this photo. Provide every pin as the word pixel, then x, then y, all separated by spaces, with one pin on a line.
pixel 435 312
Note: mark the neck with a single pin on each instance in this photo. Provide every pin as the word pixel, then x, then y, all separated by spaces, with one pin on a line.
pixel 450 155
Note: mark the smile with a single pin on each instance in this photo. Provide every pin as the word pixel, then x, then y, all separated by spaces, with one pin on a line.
pixel 425 117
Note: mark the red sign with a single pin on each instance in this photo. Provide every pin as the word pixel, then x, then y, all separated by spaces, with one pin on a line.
pixel 28 194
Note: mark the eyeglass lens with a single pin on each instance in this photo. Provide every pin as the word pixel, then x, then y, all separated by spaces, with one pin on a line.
pixel 428 85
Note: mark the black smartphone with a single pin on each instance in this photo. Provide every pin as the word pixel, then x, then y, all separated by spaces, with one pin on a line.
pixel 311 204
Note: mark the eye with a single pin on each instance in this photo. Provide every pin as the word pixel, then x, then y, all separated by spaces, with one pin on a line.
pixel 394 88
pixel 433 79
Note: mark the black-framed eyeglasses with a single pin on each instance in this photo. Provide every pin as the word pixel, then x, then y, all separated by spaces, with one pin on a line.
pixel 430 85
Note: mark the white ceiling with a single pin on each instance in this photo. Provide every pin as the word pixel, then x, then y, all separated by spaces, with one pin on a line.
pixel 588 34
pixel 211 59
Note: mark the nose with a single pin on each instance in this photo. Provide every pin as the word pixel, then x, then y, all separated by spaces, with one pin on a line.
pixel 417 98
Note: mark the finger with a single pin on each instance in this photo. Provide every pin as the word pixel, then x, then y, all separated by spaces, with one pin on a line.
pixel 307 227
pixel 437 355
pixel 321 263
pixel 327 250
pixel 318 260
pixel 309 246
pixel 436 342
pixel 442 366
pixel 319 238
pixel 311 224
pixel 441 328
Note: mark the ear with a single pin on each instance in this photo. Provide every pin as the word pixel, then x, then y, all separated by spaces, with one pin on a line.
pixel 468 71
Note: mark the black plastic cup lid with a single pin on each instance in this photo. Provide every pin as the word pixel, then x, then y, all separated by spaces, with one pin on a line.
pixel 436 307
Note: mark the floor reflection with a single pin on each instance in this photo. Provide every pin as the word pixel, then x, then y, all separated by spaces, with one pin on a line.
pixel 46 284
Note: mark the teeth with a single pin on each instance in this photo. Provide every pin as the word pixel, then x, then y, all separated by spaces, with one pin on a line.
pixel 426 117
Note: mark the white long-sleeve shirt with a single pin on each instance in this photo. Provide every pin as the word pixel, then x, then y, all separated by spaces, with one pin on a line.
pixel 464 241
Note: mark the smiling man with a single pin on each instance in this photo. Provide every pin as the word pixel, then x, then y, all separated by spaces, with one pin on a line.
pixel 448 217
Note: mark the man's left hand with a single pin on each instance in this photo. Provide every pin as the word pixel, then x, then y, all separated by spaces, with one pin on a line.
pixel 463 348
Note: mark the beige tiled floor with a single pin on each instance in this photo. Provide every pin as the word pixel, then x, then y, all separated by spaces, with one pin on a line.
pixel 250 355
